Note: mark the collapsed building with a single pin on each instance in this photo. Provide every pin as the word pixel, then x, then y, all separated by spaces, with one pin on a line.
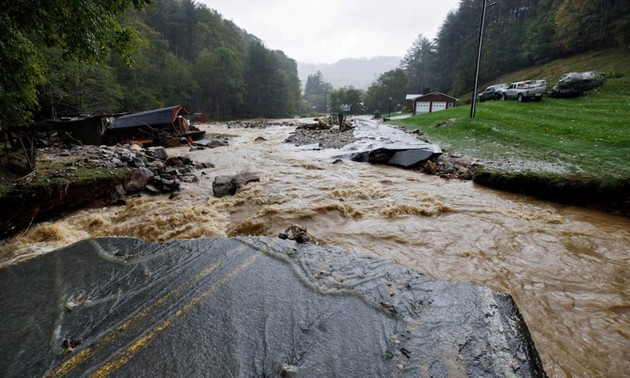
pixel 165 126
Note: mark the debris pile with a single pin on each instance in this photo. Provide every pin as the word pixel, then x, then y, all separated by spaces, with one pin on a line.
pixel 152 169
pixel 318 124
pixel 322 135
pixel 156 172
pixel 257 124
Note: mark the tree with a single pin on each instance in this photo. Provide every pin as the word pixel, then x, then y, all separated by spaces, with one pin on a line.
pixel 21 71
pixel 316 92
pixel 220 77
pixel 582 25
pixel 72 87
pixel 575 24
pixel 390 85
pixel 349 96
pixel 418 63
pixel 95 30
pixel 538 46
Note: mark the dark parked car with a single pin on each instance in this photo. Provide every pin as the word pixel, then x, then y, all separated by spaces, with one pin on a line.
pixel 493 92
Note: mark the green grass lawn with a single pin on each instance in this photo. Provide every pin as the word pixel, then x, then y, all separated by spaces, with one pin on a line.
pixel 583 139
pixel 589 135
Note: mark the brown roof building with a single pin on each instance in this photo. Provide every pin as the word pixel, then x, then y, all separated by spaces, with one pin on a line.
pixel 430 102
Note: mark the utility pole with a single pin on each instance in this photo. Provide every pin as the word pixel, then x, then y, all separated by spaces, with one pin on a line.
pixel 473 106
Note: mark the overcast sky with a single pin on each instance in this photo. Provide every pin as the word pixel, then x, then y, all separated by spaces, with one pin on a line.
pixel 325 31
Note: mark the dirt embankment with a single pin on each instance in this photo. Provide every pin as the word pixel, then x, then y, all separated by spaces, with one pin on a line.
pixel 67 180
pixel 37 202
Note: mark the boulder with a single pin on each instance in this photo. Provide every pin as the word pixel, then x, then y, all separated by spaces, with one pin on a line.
pixel 249 307
pixel 158 152
pixel 212 143
pixel 228 185
pixel 138 179
pixel 297 233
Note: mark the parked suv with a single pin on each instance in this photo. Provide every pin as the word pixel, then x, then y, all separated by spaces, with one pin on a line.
pixel 493 92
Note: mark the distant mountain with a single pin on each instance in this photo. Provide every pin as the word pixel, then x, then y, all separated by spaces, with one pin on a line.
pixel 359 73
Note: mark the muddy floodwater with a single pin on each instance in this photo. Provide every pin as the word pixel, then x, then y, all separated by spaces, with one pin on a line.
pixel 566 267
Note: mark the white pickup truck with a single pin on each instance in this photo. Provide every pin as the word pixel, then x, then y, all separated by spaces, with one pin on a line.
pixel 525 90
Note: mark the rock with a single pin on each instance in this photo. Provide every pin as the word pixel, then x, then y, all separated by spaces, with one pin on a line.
pixel 223 186
pixel 126 156
pixel 174 161
pixel 159 152
pixel 463 173
pixel 118 163
pixel 297 233
pixel 228 185
pixel 170 185
pixel 168 176
pixel 260 139
pixel 410 158
pixel 212 143
pixel 252 305
pixel 137 162
pixel 448 122
pixel 204 165
pixel 138 179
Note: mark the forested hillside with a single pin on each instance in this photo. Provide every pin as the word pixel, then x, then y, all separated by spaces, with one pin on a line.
pixel 187 54
pixel 518 34
pixel 211 64
pixel 133 55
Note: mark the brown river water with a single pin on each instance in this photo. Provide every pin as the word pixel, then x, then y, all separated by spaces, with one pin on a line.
pixel 566 267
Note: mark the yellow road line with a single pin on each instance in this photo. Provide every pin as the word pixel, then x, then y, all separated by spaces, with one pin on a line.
pixel 86 353
pixel 143 342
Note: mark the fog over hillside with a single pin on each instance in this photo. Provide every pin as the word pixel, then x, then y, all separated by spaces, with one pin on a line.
pixel 356 72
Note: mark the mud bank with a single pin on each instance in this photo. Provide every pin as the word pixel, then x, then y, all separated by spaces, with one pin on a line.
pixel 611 197
pixel 24 205
pixel 527 178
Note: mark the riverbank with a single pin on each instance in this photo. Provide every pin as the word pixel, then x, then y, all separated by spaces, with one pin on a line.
pixel 540 179
pixel 64 181
pixel 81 177
pixel 569 150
